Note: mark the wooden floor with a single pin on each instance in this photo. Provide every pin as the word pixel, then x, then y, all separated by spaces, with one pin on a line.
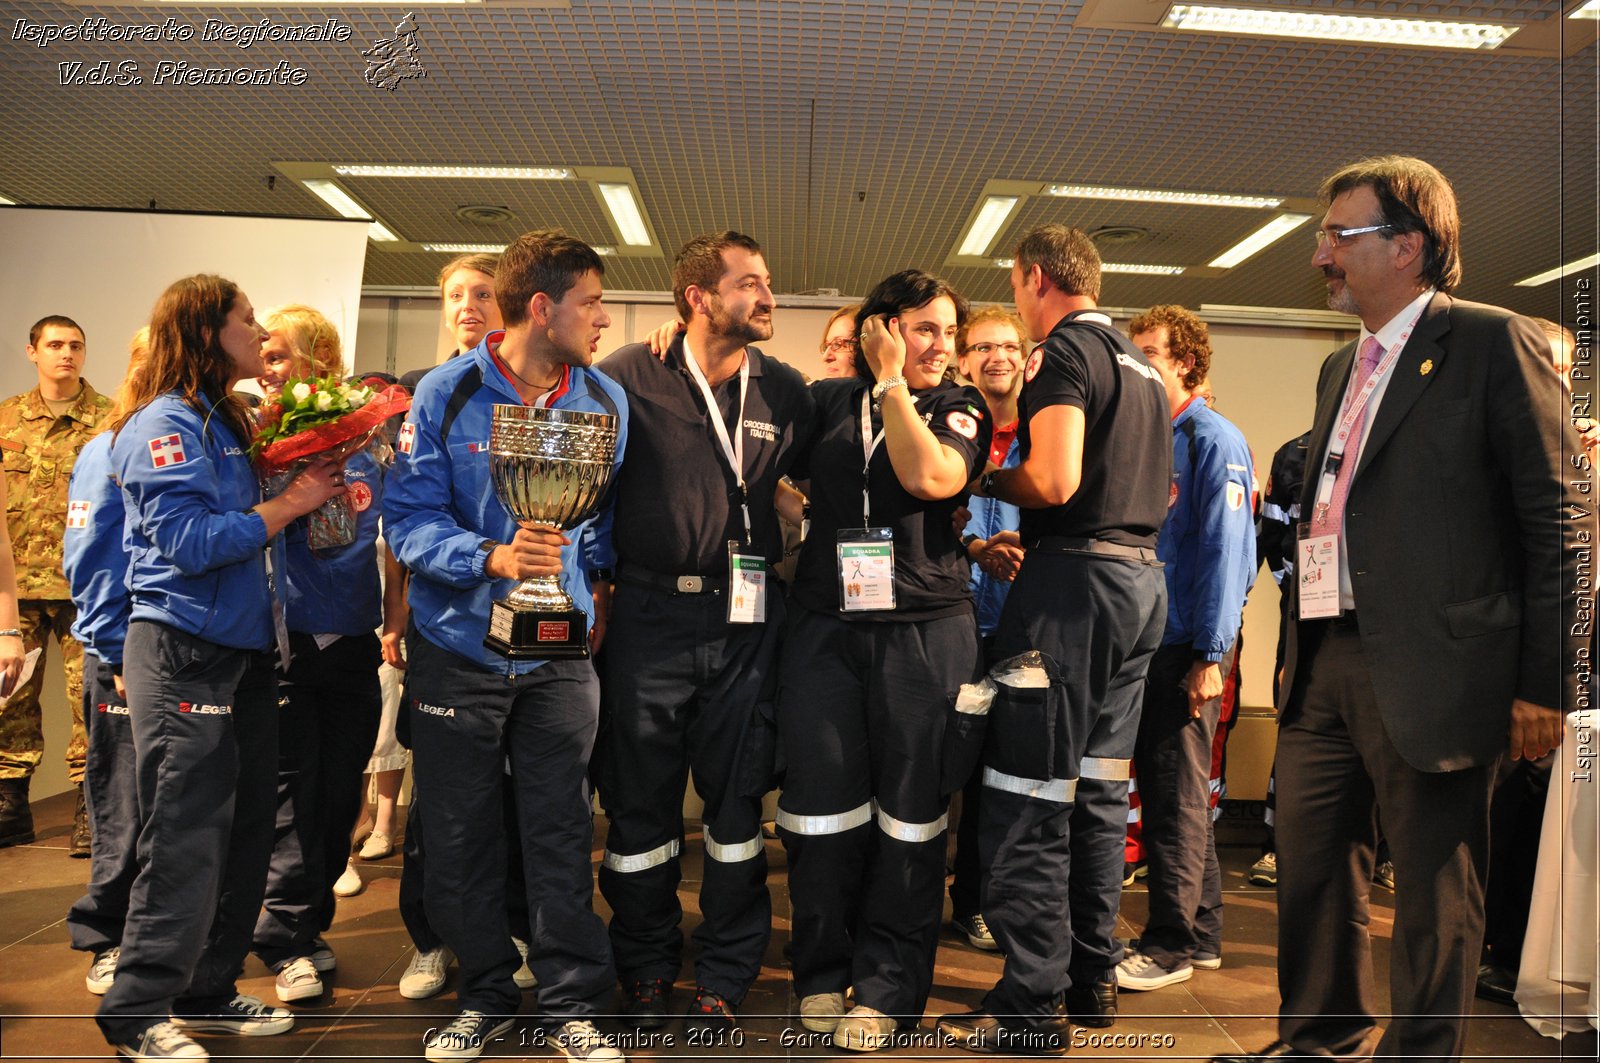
pixel 45 1012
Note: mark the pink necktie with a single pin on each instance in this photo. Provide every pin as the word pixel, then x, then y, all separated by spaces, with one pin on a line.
pixel 1332 518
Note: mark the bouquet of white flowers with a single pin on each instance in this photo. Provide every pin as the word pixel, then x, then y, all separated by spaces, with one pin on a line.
pixel 317 418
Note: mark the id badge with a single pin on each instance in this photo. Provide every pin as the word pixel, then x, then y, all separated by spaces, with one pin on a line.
pixel 1316 571
pixel 866 569
pixel 747 587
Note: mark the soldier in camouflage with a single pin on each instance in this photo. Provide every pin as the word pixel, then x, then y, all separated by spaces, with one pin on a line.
pixel 41 433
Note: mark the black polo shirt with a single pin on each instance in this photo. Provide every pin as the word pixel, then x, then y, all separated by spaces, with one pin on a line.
pixel 1127 442
pixel 931 571
pixel 677 501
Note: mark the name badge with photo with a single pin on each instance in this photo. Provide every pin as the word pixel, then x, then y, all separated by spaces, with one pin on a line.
pixel 1316 573
pixel 747 587
pixel 866 569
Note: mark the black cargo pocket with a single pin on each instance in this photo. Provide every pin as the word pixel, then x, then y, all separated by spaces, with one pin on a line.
pixel 966 722
pixel 1029 707
pixel 760 766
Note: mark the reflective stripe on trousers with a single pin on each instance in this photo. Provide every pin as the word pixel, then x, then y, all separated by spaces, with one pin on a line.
pixel 1060 791
pixel 642 861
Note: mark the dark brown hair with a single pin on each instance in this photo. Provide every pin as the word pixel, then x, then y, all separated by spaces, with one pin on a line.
pixel 546 260
pixel 186 353
pixel 1413 197
pixel 1066 255
pixel 699 263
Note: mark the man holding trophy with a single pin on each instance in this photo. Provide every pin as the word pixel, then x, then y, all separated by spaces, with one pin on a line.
pixel 503 448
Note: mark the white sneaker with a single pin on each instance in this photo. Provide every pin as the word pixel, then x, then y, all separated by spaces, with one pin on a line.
pixel 377 846
pixel 103 971
pixel 580 1040
pixel 524 976
pixel 464 1038
pixel 1139 971
pixel 821 1012
pixel 425 974
pixel 298 980
pixel 162 1041
pixel 350 883
pixel 864 1029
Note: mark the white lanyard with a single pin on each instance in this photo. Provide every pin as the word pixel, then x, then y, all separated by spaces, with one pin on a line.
pixel 732 449
pixel 1354 406
pixel 869 447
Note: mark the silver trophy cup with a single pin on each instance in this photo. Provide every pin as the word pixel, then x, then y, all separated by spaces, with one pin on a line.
pixel 549 467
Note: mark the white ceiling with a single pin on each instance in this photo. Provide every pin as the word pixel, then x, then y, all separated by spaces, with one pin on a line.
pixel 852 139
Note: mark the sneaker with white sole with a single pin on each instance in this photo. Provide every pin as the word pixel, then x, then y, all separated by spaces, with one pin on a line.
pixel 243 1015
pixel 864 1029
pixel 465 1037
pixel 322 957
pixel 1140 971
pixel 425 975
pixel 103 971
pixel 976 931
pixel 1264 872
pixel 523 976
pixel 821 1012
pixel 161 1041
pixel 377 846
pixel 350 883
pixel 580 1040
pixel 298 980
pixel 1203 958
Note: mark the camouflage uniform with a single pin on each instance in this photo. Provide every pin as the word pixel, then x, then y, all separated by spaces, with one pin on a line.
pixel 39 450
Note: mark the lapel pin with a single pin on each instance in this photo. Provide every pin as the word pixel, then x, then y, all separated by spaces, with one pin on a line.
pixel 1425 368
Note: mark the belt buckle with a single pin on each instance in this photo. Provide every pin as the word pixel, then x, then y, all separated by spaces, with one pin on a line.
pixel 691 584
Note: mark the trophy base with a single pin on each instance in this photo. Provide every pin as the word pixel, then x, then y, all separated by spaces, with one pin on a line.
pixel 537 634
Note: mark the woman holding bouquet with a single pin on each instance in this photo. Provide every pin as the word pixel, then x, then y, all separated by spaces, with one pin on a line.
pixel 330 701
pixel 205 579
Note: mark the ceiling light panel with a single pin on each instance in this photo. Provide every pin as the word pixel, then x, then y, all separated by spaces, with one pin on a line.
pixel 986 225
pixel 1317 26
pixel 1258 241
pixel 1566 270
pixel 337 198
pixel 1159 195
pixel 625 213
pixel 508 173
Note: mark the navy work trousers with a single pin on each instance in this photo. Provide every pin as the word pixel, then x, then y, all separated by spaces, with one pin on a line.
pixel 465 722
pixel 687 694
pixel 205 733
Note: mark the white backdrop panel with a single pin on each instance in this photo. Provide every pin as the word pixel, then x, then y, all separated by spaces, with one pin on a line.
pixel 105 269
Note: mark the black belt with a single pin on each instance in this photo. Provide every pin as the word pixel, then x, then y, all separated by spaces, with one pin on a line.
pixel 1061 544
pixel 643 577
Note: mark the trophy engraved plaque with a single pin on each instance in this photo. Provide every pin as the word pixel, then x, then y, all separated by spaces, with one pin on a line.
pixel 549 467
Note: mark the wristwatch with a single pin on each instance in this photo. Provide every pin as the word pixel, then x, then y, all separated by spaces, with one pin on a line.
pixel 986 484
pixel 966 543
pixel 886 385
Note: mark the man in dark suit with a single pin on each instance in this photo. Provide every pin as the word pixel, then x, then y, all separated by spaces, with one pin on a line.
pixel 1438 524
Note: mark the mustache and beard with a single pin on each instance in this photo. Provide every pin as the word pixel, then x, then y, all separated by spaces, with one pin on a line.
pixel 746 326
pixel 1340 298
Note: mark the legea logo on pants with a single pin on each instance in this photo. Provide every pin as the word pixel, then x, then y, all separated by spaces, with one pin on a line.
pixel 433 710
pixel 205 710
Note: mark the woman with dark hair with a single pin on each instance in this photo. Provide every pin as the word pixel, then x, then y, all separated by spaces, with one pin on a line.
pixel 198 670
pixel 872 662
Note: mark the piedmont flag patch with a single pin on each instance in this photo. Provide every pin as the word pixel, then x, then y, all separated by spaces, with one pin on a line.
pixel 408 437
pixel 167 451
pixel 78 514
